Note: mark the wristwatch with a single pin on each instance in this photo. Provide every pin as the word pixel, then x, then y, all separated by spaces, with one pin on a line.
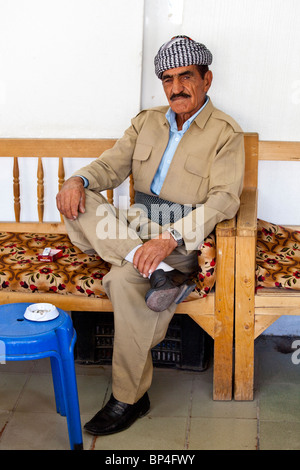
pixel 176 235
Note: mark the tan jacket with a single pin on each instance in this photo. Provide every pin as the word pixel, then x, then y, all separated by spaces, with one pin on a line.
pixel 207 168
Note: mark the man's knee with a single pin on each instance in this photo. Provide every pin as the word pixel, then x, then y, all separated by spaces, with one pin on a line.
pixel 124 274
pixel 125 279
pixel 76 235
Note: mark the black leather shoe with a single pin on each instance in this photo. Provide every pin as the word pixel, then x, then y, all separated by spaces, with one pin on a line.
pixel 116 416
pixel 167 287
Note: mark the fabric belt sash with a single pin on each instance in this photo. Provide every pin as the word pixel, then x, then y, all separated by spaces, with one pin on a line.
pixel 160 210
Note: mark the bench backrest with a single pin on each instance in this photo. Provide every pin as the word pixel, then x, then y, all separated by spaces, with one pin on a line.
pixel 41 148
pixel 91 148
pixel 256 149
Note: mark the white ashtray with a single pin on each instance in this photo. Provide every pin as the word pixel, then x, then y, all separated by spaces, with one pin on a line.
pixel 41 312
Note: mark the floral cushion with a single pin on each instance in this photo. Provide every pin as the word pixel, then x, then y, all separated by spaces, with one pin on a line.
pixel 75 272
pixel 277 256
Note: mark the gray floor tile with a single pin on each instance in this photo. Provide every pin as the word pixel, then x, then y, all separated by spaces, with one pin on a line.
pixel 11 386
pixel 35 431
pixel 170 393
pixel 204 406
pixel 279 402
pixel 223 434
pixel 148 433
pixel 279 435
pixel 93 392
pixel 38 395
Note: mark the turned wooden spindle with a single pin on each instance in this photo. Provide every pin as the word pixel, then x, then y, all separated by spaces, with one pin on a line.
pixel 131 190
pixel 110 196
pixel 61 173
pixel 16 189
pixel 61 177
pixel 40 190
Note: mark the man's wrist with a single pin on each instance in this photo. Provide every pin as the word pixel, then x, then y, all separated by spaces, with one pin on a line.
pixel 84 180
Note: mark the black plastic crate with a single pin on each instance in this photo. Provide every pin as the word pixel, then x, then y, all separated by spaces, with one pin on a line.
pixel 186 345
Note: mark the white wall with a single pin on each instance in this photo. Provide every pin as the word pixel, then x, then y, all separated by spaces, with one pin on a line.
pixel 68 68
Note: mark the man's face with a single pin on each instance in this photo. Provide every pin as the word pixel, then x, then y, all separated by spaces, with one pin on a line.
pixel 185 89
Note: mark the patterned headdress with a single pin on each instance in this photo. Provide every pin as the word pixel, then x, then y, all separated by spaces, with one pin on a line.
pixel 181 51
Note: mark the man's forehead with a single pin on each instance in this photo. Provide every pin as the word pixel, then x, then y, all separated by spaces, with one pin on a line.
pixel 179 71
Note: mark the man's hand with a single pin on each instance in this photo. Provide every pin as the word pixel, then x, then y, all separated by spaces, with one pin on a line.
pixel 71 198
pixel 152 252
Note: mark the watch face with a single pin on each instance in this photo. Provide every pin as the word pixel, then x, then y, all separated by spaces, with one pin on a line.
pixel 176 234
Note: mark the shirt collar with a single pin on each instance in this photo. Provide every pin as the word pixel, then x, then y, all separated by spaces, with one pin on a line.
pixel 171 117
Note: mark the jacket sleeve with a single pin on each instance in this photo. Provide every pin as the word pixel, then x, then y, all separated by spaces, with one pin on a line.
pixel 113 167
pixel 225 187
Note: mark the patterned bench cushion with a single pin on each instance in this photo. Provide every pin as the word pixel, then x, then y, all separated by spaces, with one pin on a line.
pixel 76 273
pixel 277 256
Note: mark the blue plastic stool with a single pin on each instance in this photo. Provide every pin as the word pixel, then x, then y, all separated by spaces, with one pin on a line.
pixel 23 340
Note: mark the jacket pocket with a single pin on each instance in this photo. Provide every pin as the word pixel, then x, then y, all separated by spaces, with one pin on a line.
pixel 196 179
pixel 140 156
pixel 142 152
pixel 194 165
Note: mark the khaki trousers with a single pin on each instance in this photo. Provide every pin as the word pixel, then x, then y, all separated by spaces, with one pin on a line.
pixel 113 233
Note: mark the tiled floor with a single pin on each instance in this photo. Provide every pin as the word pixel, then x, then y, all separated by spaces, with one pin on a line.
pixel 183 415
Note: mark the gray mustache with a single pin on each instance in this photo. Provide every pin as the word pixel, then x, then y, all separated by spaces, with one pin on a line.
pixel 180 95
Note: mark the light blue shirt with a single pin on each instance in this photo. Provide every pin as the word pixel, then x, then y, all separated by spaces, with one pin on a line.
pixel 174 139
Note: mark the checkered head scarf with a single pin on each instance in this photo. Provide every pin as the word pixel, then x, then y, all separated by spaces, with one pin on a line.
pixel 181 51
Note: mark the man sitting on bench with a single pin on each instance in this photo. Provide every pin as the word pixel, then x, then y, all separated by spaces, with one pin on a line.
pixel 187 162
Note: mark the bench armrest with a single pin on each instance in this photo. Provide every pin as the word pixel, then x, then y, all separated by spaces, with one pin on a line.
pixel 227 228
pixel 247 214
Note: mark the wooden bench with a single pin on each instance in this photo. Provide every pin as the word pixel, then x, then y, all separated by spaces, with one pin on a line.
pixel 256 309
pixel 214 312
